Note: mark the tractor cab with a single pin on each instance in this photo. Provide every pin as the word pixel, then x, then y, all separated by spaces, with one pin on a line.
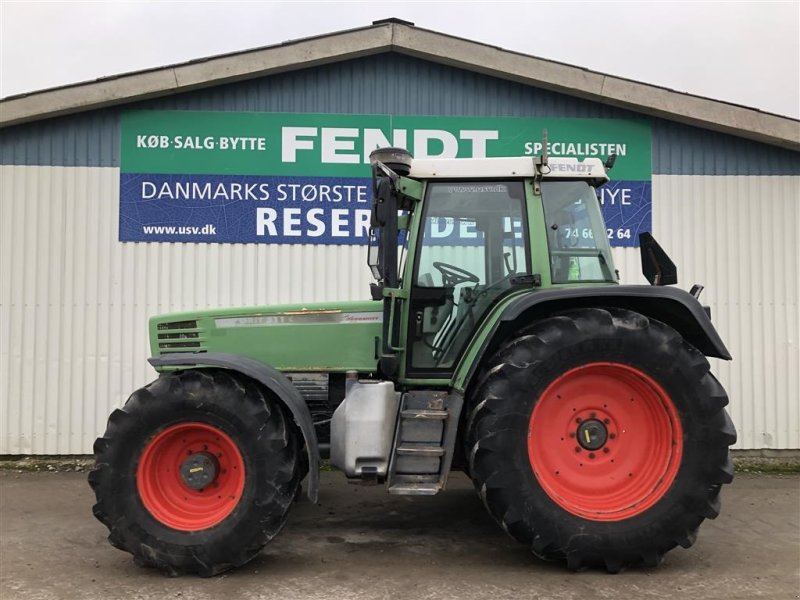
pixel 464 233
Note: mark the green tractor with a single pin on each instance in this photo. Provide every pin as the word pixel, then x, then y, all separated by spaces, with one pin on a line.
pixel 498 341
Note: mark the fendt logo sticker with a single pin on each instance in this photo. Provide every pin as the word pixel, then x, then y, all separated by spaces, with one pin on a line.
pixel 318 317
pixel 287 178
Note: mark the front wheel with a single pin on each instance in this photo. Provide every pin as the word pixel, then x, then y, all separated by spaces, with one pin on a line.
pixel 196 473
pixel 600 437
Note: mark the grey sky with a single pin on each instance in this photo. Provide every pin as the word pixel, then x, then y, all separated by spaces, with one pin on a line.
pixel 742 52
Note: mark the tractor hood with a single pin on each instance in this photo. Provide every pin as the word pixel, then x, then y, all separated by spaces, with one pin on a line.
pixel 323 337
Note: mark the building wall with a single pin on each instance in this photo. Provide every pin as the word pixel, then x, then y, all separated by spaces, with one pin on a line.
pixel 74 301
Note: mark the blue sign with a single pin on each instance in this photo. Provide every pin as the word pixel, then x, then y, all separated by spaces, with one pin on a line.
pixel 627 210
pixel 307 210
pixel 244 209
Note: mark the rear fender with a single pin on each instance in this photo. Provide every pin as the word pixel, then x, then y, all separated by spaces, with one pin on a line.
pixel 672 306
pixel 274 381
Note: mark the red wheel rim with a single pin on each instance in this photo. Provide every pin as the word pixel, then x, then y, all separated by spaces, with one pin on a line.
pixel 163 490
pixel 635 465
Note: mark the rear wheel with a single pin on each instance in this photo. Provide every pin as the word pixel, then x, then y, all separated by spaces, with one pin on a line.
pixel 197 472
pixel 600 437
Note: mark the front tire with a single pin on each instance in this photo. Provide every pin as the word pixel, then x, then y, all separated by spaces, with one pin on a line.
pixel 196 473
pixel 599 437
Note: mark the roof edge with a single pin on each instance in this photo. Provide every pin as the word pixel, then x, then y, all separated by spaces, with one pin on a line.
pixel 402 37
pixel 183 77
pixel 624 93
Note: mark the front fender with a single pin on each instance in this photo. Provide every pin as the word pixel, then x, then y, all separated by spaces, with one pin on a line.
pixel 273 380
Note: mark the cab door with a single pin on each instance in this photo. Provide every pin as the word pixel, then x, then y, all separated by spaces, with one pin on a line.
pixel 472 248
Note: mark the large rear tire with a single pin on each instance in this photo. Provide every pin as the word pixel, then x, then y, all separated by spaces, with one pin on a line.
pixel 196 473
pixel 599 437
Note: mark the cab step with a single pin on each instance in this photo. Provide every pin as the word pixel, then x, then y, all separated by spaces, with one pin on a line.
pixel 424 442
pixel 415 489
pixel 424 414
pixel 420 450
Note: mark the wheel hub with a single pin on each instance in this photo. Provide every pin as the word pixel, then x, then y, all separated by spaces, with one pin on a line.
pixel 199 470
pixel 592 434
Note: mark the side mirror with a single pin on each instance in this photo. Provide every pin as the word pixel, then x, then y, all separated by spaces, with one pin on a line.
pixel 382 206
pixel 657 267
pixel 373 254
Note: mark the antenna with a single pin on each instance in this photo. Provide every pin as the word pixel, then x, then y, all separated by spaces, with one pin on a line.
pixel 544 147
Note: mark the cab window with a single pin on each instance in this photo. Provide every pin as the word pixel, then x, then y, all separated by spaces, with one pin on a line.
pixel 576 235
pixel 473 241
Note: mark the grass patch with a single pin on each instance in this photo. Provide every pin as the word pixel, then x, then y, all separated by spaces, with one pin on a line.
pixel 767 465
pixel 81 463
pixel 46 464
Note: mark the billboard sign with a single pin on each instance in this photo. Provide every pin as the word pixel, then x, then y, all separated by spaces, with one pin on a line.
pixel 299 178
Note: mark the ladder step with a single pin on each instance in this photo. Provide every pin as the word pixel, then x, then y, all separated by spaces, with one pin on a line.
pixel 415 489
pixel 424 414
pixel 425 437
pixel 415 479
pixel 420 450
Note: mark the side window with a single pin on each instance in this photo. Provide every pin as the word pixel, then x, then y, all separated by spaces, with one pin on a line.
pixel 576 236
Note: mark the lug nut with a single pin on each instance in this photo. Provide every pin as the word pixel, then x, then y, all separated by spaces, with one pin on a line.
pixel 591 454
pixel 578 420
pixel 605 450
pixel 577 448
pixel 593 415
pixel 606 421
pixel 572 434
pixel 612 435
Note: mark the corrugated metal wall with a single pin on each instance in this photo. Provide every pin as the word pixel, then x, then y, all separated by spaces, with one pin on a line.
pixel 739 237
pixel 74 302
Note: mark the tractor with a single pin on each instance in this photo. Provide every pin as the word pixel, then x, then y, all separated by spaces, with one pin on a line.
pixel 497 341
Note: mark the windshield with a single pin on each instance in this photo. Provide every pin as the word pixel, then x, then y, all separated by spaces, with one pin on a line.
pixel 576 235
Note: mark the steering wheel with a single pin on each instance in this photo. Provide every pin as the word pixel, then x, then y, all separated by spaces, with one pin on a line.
pixel 452 275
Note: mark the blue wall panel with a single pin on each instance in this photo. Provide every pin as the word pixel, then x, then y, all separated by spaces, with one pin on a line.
pixel 390 84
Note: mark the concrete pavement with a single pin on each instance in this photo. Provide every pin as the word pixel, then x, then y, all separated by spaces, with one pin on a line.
pixel 362 543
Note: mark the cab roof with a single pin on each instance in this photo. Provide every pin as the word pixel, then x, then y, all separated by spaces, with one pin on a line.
pixel 508 168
